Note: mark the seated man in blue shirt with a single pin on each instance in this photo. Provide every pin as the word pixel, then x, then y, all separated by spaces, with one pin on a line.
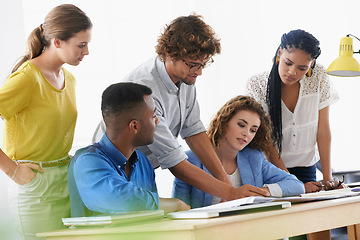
pixel 112 176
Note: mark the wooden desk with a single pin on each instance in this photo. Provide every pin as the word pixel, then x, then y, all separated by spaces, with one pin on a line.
pixel 299 219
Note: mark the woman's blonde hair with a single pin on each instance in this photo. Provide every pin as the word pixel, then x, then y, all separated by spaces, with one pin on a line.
pixel 218 125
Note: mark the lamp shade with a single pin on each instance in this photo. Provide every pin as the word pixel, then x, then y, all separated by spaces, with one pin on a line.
pixel 345 65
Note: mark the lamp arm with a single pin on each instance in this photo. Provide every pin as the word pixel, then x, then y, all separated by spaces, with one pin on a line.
pixel 354 37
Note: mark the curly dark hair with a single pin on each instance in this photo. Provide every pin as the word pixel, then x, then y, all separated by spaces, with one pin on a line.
pixel 188 36
pixel 218 125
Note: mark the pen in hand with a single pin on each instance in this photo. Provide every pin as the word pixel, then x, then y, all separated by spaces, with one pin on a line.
pixel 332 184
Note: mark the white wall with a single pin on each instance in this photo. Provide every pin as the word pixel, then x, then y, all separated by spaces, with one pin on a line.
pixel 11 47
pixel 125 33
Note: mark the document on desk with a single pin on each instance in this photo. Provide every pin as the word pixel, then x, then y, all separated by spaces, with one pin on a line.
pixel 322 195
pixel 341 192
pixel 254 204
pixel 238 206
pixel 117 218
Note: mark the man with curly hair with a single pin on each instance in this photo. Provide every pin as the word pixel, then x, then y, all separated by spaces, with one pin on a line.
pixel 184 49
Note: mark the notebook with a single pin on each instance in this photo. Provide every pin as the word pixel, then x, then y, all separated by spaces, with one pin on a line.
pixel 322 195
pixel 229 208
pixel 334 192
pixel 126 217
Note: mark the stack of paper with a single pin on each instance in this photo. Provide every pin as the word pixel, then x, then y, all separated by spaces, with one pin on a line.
pixel 238 206
pixel 125 217
pixel 341 192
pixel 323 195
pixel 255 204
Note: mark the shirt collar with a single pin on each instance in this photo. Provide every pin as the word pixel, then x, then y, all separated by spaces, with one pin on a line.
pixel 165 78
pixel 115 155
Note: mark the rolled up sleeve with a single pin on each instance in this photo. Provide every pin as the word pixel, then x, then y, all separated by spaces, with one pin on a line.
pixel 193 125
pixel 166 149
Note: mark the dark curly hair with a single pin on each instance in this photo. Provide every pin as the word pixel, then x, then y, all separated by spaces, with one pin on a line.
pixel 188 36
pixel 218 125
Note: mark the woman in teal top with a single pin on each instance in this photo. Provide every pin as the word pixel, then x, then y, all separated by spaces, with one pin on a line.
pixel 240 133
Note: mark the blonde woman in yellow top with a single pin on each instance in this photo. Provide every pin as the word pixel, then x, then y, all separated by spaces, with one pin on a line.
pixel 38 106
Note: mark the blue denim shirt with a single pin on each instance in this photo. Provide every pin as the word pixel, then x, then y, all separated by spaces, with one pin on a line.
pixel 254 170
pixel 98 182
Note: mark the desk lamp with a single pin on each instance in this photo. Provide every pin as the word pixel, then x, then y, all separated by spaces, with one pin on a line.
pixel 345 65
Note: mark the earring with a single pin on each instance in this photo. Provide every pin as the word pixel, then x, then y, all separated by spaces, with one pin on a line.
pixel 309 73
pixel 277 60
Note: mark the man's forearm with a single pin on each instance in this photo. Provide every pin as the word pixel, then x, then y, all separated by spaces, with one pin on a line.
pixel 202 148
pixel 201 180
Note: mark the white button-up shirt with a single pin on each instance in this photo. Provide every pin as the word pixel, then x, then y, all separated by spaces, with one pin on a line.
pixel 299 128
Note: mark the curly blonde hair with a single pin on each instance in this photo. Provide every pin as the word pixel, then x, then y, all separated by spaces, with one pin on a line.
pixel 188 36
pixel 218 125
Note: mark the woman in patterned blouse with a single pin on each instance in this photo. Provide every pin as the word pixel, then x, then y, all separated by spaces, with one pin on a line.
pixel 297 93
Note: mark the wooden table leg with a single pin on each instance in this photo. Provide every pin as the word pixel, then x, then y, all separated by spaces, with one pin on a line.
pixel 353 232
pixel 323 235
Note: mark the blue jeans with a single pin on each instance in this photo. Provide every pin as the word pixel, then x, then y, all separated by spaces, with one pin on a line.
pixel 304 174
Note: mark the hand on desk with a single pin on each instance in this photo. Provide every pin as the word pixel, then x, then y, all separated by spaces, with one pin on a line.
pixel 173 205
pixel 334 184
pixel 328 185
pixel 249 190
pixel 312 187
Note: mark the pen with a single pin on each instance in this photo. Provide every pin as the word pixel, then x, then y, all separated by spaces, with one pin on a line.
pixel 332 184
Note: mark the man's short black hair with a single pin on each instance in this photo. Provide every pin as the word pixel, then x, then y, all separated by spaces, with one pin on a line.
pixel 122 97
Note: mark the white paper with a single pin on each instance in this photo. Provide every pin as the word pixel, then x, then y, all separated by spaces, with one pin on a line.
pixel 235 203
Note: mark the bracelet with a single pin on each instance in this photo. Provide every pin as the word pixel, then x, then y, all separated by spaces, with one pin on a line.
pixel 17 167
